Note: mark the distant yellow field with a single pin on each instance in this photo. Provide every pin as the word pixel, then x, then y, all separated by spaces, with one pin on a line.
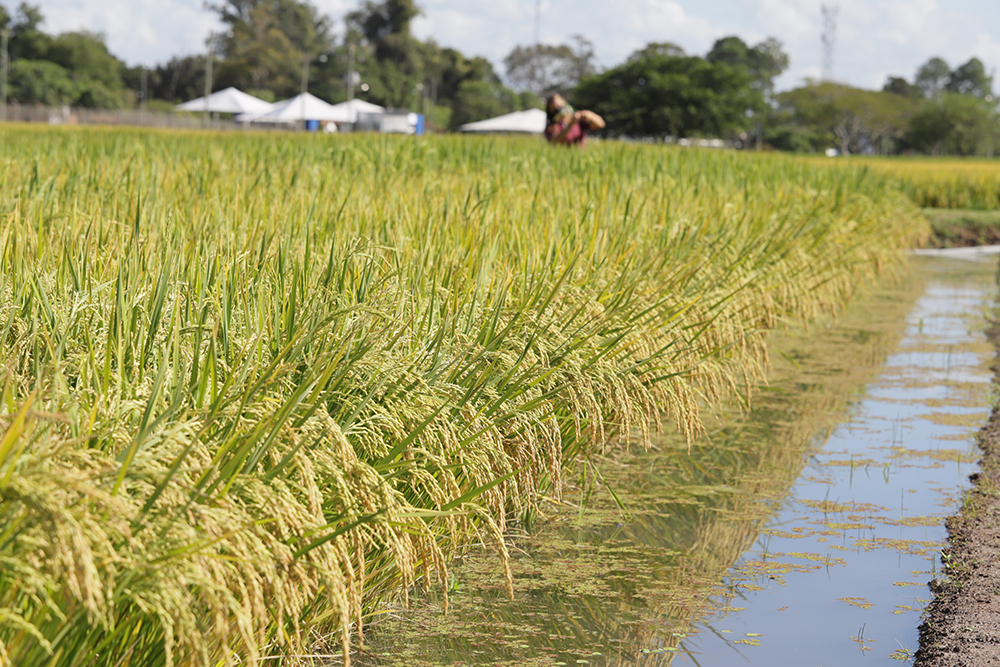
pixel 965 183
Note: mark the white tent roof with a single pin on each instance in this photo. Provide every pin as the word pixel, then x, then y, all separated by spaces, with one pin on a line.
pixel 351 108
pixel 229 100
pixel 301 107
pixel 531 121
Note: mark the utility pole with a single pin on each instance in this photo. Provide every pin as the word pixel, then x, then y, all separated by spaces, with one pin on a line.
pixel 208 77
pixel 4 67
pixel 829 38
pixel 305 87
pixel 143 95
pixel 350 71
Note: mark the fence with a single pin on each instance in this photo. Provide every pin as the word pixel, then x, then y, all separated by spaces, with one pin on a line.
pixel 23 113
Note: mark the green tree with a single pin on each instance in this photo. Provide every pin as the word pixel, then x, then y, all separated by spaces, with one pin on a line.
pixel 971 79
pixel 763 62
pixel 73 68
pixel 479 99
pixel 448 77
pixel 398 70
pixel 389 58
pixel 732 50
pixel 954 124
pixel 657 50
pixel 544 69
pixel 658 92
pixel 95 95
pixel 258 54
pixel 300 22
pixel 178 80
pixel 932 77
pixel 900 86
pixel 768 60
pixel 386 25
pixel 391 83
pixel 40 82
pixel 453 69
pixel 528 100
pixel 854 120
pixel 26 38
pixel 471 89
pixel 86 56
pixel 97 73
pixel 267 42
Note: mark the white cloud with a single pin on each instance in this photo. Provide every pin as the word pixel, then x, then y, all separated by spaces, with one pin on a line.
pixel 789 19
pixel 912 16
pixel 138 31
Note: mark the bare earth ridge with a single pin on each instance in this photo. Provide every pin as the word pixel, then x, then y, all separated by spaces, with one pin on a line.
pixel 962 623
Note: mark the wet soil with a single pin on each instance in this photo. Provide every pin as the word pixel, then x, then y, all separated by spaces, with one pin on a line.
pixel 962 623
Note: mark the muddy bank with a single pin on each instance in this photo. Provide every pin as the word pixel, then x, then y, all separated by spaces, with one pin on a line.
pixel 962 623
pixel 956 228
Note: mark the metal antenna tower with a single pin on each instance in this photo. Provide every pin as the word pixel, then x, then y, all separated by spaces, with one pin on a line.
pixel 829 38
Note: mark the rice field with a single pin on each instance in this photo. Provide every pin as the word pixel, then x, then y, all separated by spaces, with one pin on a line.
pixel 255 386
pixel 945 183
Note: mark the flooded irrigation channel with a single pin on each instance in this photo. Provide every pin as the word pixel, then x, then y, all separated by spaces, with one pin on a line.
pixel 803 532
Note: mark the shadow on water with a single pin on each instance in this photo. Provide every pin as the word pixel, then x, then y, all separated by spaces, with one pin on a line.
pixel 804 530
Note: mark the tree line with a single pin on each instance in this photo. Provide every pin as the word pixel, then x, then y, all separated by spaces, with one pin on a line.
pixel 942 111
pixel 266 49
pixel 659 92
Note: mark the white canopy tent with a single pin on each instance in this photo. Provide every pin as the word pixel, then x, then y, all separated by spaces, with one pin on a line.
pixel 229 100
pixel 305 106
pixel 531 121
pixel 351 108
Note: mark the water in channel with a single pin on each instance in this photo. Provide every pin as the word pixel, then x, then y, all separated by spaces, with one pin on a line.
pixel 803 532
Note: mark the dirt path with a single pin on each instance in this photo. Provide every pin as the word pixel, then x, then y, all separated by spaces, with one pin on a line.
pixel 962 624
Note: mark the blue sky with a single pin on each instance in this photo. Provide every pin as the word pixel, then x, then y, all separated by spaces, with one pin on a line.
pixel 876 38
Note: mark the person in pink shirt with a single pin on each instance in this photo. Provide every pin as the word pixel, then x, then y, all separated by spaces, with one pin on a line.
pixel 568 127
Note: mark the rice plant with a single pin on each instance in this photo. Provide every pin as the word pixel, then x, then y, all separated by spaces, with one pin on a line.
pixel 254 386
pixel 951 183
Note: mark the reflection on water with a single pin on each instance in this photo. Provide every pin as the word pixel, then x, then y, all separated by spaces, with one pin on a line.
pixel 866 514
pixel 801 533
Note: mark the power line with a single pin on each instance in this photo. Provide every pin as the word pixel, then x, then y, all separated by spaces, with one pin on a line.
pixel 829 38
